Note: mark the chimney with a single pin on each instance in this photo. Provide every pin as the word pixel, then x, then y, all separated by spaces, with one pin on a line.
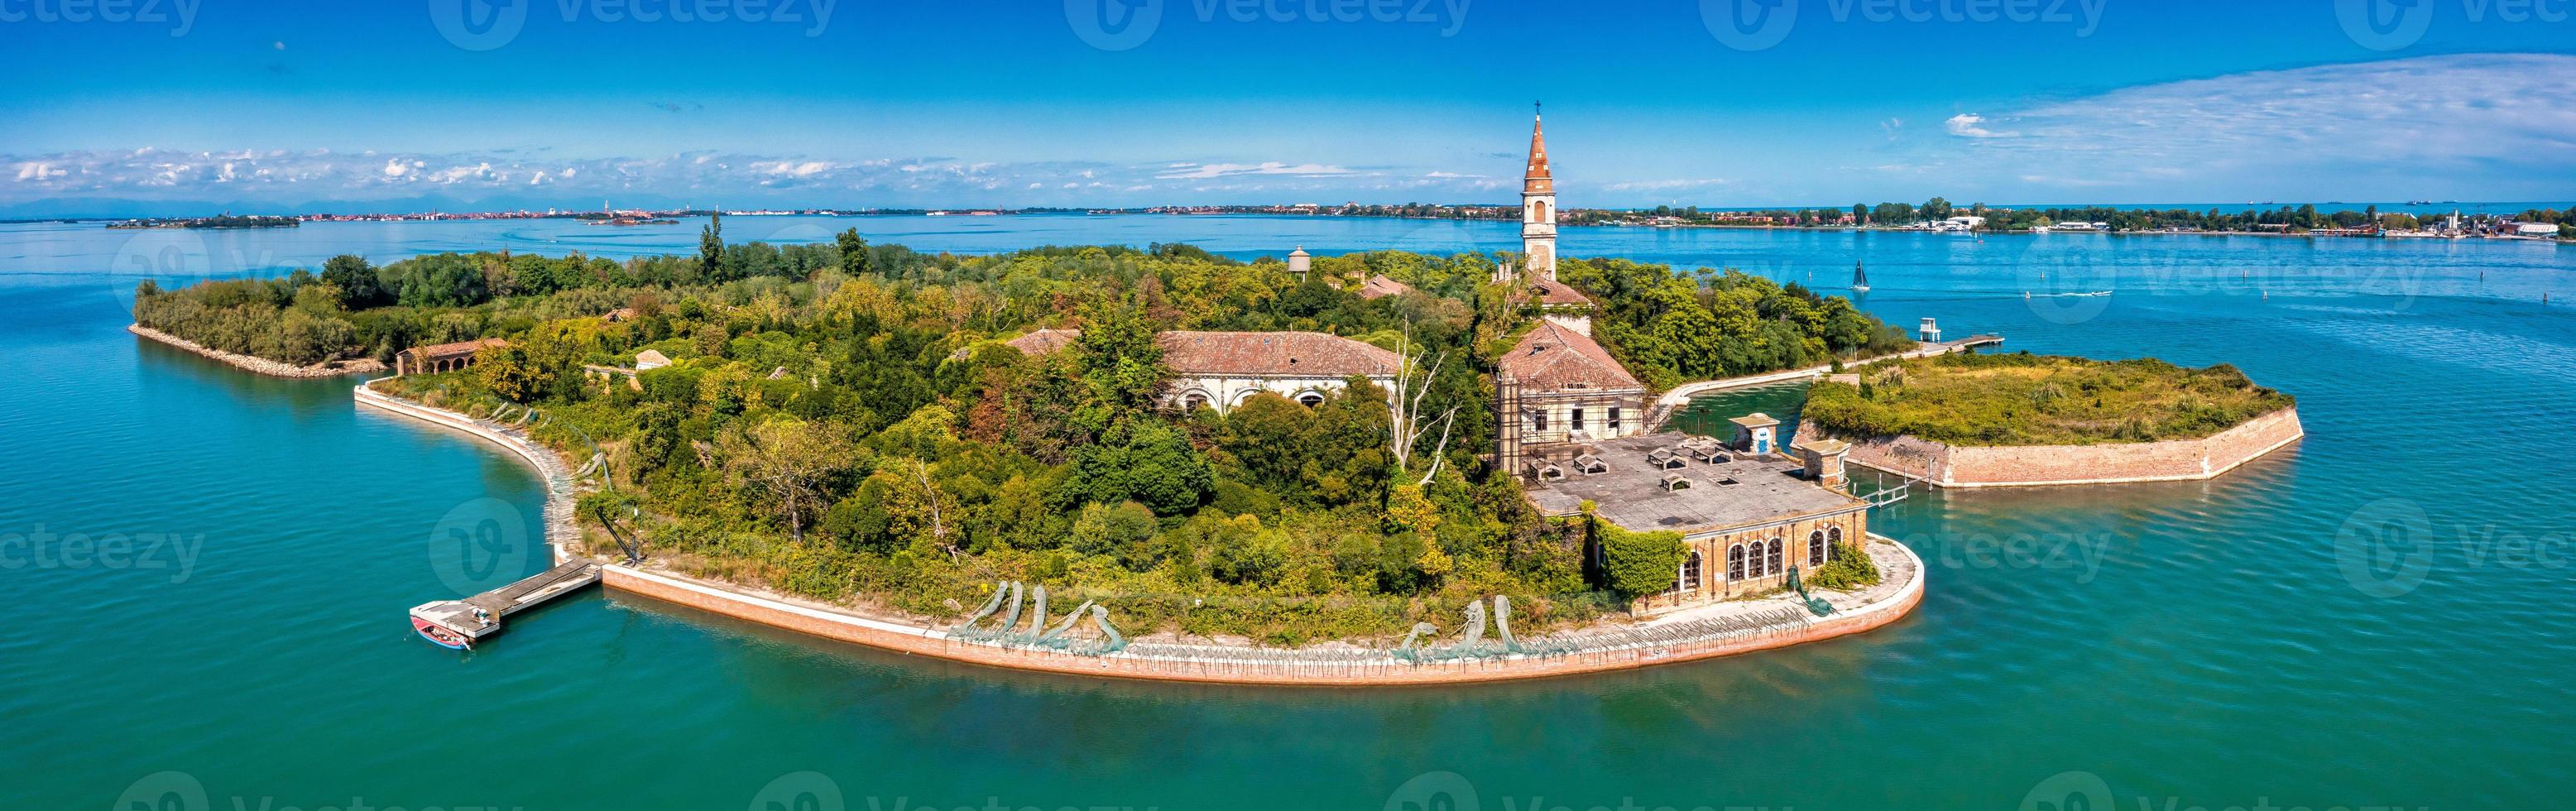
pixel 1824 460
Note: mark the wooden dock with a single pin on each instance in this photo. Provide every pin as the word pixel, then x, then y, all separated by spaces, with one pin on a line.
pixel 474 618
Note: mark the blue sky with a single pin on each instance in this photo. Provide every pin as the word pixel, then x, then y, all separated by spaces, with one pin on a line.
pixel 361 106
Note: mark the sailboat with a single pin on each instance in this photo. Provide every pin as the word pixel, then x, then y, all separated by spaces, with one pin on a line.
pixel 1860 279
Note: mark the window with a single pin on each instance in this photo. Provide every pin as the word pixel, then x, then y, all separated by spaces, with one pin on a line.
pixel 1753 561
pixel 1614 418
pixel 1735 562
pixel 1310 399
pixel 1815 549
pixel 1577 422
pixel 1690 572
pixel 1538 420
pixel 1834 536
pixel 1773 557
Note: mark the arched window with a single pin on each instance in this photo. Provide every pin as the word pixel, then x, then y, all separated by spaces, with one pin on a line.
pixel 1773 558
pixel 1815 549
pixel 1753 561
pixel 1310 399
pixel 1735 562
pixel 1690 572
pixel 1192 400
pixel 1834 535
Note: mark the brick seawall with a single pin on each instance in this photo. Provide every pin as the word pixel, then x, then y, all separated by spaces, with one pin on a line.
pixel 2109 463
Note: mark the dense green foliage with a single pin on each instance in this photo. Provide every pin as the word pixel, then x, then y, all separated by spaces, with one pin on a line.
pixel 2026 399
pixel 842 421
pixel 1638 563
pixel 1671 329
pixel 1850 567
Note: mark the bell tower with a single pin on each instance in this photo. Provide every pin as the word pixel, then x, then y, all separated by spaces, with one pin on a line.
pixel 1538 208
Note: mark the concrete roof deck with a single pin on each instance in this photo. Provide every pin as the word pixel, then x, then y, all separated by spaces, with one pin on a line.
pixel 1631 492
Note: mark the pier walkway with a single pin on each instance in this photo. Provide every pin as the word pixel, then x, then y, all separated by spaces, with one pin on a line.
pixel 1673 401
pixel 473 618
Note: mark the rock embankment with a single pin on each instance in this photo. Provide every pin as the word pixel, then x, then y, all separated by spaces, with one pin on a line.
pixel 262 365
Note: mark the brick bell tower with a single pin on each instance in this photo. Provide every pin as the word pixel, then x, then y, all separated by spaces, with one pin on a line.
pixel 1538 210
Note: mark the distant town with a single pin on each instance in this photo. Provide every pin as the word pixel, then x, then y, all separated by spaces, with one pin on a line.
pixel 1935 215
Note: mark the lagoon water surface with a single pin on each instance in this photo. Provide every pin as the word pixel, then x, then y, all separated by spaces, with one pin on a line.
pixel 2377 616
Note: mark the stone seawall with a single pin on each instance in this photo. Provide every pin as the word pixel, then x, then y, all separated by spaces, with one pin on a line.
pixel 2109 463
pixel 1161 661
pixel 1216 665
pixel 261 365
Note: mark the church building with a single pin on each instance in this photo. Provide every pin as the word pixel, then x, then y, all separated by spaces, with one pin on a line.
pixel 1571 423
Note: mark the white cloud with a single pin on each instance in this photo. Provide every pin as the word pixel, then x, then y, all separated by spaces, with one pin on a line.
pixel 1972 125
pixel 1196 171
pixel 2471 125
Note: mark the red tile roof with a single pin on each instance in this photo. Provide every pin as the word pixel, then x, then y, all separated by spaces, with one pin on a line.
pixel 1550 293
pixel 1553 359
pixel 449 350
pixel 1379 286
pixel 1266 354
pixel 1044 341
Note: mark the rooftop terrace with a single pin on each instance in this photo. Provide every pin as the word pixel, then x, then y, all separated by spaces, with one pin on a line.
pixel 1626 480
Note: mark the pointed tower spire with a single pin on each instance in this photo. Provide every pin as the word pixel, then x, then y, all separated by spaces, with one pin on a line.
pixel 1538 212
pixel 1539 179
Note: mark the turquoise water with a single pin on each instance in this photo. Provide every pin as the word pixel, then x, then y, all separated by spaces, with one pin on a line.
pixel 2212 644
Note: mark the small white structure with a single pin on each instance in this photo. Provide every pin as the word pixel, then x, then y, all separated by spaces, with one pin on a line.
pixel 651 359
pixel 2537 230
pixel 1757 433
pixel 1929 332
pixel 1300 262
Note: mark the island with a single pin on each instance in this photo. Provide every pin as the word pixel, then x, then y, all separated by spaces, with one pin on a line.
pixel 2018 419
pixel 224 221
pixel 1374 468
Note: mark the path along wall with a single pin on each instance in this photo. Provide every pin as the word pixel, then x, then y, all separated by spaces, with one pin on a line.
pixel 2110 463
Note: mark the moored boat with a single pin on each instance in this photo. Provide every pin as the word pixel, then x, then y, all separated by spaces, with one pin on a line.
pixel 440 635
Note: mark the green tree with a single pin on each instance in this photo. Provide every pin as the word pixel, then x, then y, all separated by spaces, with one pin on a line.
pixel 360 287
pixel 785 464
pixel 509 371
pixel 1122 357
pixel 711 247
pixel 854 253
pixel 1148 462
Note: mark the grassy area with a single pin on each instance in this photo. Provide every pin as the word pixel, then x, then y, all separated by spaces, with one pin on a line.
pixel 2026 399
